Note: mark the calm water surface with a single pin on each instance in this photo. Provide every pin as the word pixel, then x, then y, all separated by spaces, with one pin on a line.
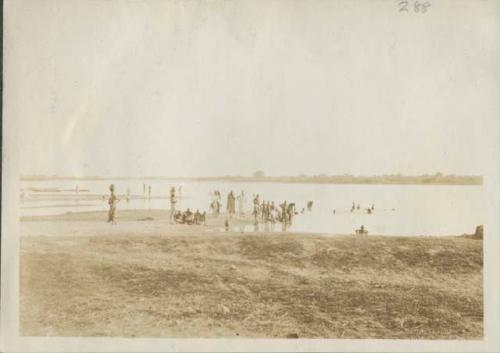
pixel 399 209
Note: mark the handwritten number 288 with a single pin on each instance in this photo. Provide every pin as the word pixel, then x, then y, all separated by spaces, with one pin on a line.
pixel 404 6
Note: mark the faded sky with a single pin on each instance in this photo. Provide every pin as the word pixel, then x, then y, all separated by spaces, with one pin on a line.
pixel 228 87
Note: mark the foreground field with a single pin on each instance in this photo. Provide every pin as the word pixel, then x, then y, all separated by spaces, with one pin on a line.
pixel 182 281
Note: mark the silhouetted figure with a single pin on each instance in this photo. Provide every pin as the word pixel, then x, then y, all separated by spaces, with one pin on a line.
pixel 231 204
pixel 173 201
pixel 284 209
pixel 290 212
pixel 112 201
pixel 188 217
pixel 361 231
pixel 256 209
pixel 197 216
pixel 241 203
pixel 178 217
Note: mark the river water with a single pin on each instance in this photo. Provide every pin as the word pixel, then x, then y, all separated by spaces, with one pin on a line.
pixel 399 209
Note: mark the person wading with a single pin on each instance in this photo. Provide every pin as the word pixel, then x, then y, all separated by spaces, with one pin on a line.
pixel 231 204
pixel 173 201
pixel 241 203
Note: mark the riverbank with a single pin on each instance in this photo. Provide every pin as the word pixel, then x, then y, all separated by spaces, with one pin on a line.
pixel 145 277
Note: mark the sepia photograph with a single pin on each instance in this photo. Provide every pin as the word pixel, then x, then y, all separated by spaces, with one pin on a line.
pixel 282 170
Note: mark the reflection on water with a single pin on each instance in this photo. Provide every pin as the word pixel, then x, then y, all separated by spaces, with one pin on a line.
pixel 398 210
pixel 261 227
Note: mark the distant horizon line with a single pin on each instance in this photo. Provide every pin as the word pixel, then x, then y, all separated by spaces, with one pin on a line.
pixel 440 174
pixel 436 178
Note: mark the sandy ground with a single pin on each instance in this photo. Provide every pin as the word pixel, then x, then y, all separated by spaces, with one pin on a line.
pixel 129 222
pixel 145 277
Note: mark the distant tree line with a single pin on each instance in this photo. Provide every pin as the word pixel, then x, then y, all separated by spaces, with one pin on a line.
pixel 259 176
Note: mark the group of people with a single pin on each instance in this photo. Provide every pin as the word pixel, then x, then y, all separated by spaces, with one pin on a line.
pixel 186 217
pixel 357 207
pixel 361 231
pixel 264 212
pixel 267 212
pixel 216 204
pixel 232 203
pixel 113 200
pixel 148 188
pixel 189 217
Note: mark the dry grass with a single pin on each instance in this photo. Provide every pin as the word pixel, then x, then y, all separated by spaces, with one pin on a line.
pixel 230 285
pixel 254 286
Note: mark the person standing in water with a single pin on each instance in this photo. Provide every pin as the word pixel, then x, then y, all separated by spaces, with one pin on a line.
pixel 255 213
pixel 263 212
pixel 230 205
pixel 173 200
pixel 112 201
pixel 284 215
pixel 241 203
